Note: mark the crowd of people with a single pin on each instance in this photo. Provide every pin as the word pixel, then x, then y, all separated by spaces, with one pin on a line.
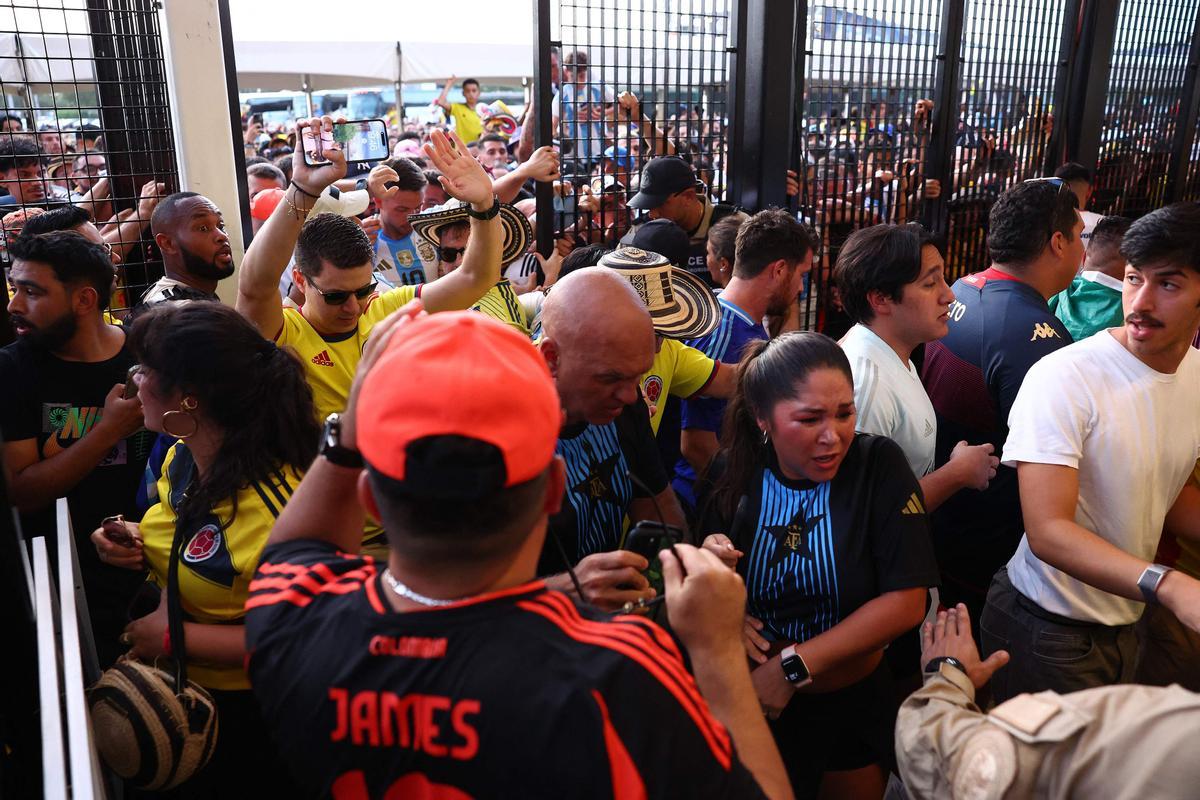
pixel 445 516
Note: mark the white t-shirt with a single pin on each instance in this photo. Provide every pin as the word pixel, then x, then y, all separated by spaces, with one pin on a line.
pixel 890 399
pixel 1133 434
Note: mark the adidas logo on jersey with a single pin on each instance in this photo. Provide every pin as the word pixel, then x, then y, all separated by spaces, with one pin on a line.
pixel 929 429
pixel 914 506
pixel 1043 330
pixel 322 359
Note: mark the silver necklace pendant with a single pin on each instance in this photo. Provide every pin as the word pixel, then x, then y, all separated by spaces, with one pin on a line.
pixel 402 590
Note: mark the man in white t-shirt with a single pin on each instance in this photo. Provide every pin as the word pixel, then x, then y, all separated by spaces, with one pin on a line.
pixel 891 280
pixel 1104 435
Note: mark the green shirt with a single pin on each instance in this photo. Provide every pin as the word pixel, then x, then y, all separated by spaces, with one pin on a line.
pixel 1091 303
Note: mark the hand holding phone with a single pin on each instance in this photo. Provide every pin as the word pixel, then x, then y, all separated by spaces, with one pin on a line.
pixel 118 544
pixel 648 539
pixel 358 140
pixel 131 388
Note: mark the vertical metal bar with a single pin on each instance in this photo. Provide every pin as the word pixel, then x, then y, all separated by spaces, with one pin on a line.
pixel 1185 128
pixel 739 88
pixel 543 192
pixel 235 114
pixel 940 157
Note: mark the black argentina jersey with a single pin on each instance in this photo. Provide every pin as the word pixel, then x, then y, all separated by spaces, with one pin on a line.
pixel 816 552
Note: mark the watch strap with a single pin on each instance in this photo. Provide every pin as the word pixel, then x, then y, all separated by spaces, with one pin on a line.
pixel 331 447
pixel 1151 578
pixel 935 663
pixel 788 653
pixel 485 215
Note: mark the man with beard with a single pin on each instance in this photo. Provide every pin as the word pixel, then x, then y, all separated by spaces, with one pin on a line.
pixel 774 252
pixel 68 430
pixel 190 233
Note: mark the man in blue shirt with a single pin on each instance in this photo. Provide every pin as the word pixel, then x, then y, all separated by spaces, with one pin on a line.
pixel 774 252
pixel 1000 326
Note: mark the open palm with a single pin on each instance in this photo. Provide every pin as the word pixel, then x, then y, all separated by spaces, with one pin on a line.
pixel 462 176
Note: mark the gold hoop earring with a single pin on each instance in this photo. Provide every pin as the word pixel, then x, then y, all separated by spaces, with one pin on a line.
pixel 187 406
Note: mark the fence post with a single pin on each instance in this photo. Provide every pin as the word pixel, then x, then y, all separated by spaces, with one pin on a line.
pixel 542 92
pixel 764 99
pixel 1185 131
pixel 946 97
pixel 1084 121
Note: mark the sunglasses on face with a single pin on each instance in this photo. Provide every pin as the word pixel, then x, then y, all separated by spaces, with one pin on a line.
pixel 337 298
pixel 450 254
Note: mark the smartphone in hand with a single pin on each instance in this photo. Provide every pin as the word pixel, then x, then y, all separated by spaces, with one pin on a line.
pixel 117 532
pixel 131 388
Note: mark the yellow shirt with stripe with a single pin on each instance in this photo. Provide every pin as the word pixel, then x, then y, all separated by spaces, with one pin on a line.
pixel 330 361
pixel 501 303
pixel 218 559
pixel 678 370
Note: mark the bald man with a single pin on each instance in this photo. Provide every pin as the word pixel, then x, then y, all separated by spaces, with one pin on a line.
pixel 598 341
pixel 190 232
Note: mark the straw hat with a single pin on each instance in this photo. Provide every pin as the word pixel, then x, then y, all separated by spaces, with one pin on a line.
pixel 680 305
pixel 517 233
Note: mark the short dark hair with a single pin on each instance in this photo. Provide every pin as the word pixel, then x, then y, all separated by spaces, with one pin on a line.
pixel 16 117
pixel 1071 171
pixel 493 137
pixel 1025 218
pixel 165 212
pixel 73 258
pixel 333 239
pixel 408 135
pixel 1109 231
pixel 63 218
pixel 409 177
pixel 1170 235
pixel 431 178
pixel 723 237
pixel 18 151
pixel 881 258
pixel 268 171
pixel 284 163
pixel 432 529
pixel 252 160
pixel 577 59
pixel 769 236
pixel 469 81
pixel 580 257
pixel 90 132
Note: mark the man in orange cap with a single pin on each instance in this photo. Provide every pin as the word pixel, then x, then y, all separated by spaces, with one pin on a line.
pixel 451 671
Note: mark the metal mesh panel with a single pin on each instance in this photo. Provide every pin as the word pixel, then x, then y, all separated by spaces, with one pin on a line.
pixel 1006 115
pixel 86 81
pixel 862 154
pixel 669 54
pixel 1142 106
pixel 1191 184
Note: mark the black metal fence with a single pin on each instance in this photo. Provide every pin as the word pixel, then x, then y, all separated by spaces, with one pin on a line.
pixel 84 81
pixel 894 110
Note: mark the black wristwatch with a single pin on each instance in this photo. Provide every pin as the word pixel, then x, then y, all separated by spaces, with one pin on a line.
pixel 934 663
pixel 794 668
pixel 485 215
pixel 331 445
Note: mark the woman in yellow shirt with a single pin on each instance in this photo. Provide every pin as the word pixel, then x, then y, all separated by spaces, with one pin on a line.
pixel 243 416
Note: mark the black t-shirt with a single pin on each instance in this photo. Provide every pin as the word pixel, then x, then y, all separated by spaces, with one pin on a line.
pixel 514 694
pixel 57 403
pixel 816 552
pixel 599 460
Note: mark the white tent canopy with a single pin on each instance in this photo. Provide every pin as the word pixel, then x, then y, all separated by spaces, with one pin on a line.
pixel 336 65
pixel 276 50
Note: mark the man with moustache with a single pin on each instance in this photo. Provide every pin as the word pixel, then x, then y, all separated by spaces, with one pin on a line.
pixel 1104 435
pixel 68 430
pixel 190 233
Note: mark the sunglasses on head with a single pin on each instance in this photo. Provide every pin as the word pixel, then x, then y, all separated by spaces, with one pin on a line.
pixel 450 254
pixel 337 298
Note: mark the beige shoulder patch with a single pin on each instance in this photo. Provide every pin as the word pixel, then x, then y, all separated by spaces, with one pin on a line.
pixel 986 766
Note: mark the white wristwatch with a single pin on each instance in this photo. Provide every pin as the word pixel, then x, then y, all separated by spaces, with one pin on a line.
pixel 794 668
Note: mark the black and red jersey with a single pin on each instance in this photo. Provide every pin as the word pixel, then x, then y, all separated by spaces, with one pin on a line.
pixel 516 693
pixel 999 328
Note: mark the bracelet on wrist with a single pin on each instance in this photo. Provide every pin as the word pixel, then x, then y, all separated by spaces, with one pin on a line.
pixel 485 215
pixel 304 191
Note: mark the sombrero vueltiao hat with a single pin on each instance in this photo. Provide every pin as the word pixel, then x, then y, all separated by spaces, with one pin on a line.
pixel 517 233
pixel 680 305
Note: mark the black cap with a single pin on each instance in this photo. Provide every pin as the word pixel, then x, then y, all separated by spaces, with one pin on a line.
pixel 661 178
pixel 661 236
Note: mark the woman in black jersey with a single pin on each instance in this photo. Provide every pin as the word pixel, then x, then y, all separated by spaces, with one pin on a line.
pixel 829 531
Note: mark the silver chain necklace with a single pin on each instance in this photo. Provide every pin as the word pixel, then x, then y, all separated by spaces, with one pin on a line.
pixel 403 591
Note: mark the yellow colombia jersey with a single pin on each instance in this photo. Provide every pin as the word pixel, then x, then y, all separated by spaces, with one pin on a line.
pixel 217 562
pixel 678 370
pixel 501 303
pixel 330 361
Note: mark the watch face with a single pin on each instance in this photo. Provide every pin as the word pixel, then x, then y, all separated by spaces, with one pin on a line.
pixel 794 669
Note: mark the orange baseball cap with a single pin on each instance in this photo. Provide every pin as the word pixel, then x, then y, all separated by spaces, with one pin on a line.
pixel 452 378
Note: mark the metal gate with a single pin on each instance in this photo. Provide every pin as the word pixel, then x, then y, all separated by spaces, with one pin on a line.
pixel 85 81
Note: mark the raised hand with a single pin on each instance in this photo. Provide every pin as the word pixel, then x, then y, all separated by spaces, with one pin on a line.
pixel 462 176
pixel 313 178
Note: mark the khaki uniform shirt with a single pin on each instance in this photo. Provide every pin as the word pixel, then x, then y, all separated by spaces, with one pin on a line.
pixel 1114 742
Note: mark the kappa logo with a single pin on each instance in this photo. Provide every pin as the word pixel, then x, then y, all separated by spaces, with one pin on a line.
pixel 1043 330
pixel 914 506
pixel 203 545
pixel 322 359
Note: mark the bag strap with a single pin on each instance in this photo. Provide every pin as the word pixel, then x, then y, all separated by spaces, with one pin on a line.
pixel 175 610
